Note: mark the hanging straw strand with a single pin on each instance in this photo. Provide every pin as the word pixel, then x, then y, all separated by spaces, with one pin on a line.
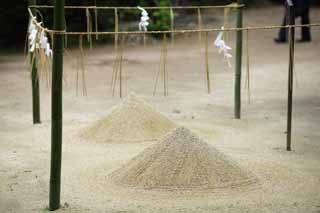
pixel 207 63
pixel 89 27
pixel 96 19
pixel 83 71
pixel 199 24
pixel 247 82
pixel 172 25
pixel 116 29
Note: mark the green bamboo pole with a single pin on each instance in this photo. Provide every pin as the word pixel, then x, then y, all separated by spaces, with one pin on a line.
pixel 238 67
pixel 291 20
pixel 35 82
pixel 56 110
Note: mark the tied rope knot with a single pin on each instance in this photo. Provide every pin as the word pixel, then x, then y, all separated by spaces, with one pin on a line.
pixel 223 48
pixel 143 24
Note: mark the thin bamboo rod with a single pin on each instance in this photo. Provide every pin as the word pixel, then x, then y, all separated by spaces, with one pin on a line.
pixel 291 20
pixel 238 67
pixel 96 19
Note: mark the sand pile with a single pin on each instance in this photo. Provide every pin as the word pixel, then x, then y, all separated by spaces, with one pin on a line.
pixel 181 160
pixel 131 121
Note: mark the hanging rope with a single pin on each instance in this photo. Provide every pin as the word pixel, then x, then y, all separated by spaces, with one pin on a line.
pixel 117 68
pixel 247 82
pixel 81 67
pixel 199 24
pixel 89 27
pixel 172 25
pixel 163 68
pixel 116 29
pixel 207 70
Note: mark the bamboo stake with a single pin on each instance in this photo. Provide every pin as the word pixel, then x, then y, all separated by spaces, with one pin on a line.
pixel 207 63
pixel 291 19
pixel 238 67
pixel 226 24
pixel 35 83
pixel 56 114
pixel 96 19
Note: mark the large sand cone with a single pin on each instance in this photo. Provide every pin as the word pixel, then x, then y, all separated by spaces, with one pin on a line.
pixel 181 160
pixel 132 120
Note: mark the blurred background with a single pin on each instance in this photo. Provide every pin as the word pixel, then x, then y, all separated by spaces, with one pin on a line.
pixel 14 16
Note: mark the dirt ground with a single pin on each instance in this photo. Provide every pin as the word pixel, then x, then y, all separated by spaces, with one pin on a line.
pixel 288 181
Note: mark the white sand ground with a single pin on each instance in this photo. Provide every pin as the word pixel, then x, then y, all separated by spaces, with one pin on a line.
pixel 288 181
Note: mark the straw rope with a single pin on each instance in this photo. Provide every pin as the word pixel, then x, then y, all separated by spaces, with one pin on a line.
pixel 147 8
pixel 163 68
pixel 271 27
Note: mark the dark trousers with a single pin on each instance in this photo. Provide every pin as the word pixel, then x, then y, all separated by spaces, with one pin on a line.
pixel 305 31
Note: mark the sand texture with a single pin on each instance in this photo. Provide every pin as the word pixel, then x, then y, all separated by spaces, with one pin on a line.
pixel 181 160
pixel 132 120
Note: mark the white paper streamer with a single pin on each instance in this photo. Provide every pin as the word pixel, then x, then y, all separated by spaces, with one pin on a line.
pixel 143 24
pixel 32 35
pixel 43 41
pixel 223 48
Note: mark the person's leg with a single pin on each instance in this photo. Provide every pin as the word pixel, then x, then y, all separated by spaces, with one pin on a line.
pixel 305 31
pixel 283 32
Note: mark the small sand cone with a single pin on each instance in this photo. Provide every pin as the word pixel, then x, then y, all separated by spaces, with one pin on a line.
pixel 181 161
pixel 133 120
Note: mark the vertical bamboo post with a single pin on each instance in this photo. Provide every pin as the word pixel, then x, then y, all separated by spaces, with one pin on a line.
pixel 291 20
pixel 238 67
pixel 56 104
pixel 35 82
pixel 96 19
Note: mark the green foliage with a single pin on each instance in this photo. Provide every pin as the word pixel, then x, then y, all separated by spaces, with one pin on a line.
pixel 160 20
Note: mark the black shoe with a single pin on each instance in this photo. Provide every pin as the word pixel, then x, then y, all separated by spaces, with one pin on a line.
pixel 280 41
pixel 303 40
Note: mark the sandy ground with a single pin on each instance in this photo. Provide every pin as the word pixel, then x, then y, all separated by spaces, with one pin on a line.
pixel 288 181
